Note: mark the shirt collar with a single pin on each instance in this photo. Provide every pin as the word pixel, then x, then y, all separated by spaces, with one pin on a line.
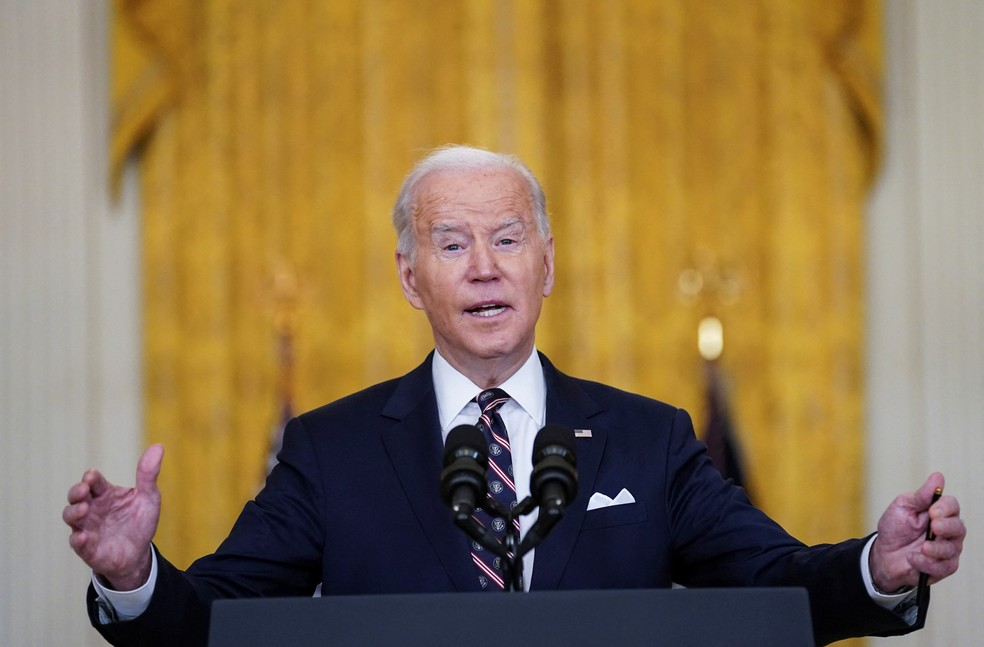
pixel 454 391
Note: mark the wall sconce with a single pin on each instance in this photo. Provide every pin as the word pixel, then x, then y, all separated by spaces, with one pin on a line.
pixel 712 286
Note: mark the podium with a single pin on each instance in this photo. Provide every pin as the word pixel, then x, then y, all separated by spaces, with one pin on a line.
pixel 752 617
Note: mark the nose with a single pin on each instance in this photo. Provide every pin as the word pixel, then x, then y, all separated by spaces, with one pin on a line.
pixel 484 266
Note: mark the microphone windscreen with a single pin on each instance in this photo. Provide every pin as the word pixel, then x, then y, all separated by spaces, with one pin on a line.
pixel 467 437
pixel 554 435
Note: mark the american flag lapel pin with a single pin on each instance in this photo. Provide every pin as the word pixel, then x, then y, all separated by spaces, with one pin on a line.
pixel 582 433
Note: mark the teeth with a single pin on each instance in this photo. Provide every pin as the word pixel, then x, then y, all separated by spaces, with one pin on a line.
pixel 488 311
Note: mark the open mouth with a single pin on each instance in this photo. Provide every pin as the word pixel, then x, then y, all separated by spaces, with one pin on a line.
pixel 487 310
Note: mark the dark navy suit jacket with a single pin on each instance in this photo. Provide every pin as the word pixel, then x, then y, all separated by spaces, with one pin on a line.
pixel 354 504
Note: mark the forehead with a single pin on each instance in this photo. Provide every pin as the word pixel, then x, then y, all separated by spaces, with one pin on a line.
pixel 472 194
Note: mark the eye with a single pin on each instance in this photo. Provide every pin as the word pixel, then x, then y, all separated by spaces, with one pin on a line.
pixel 507 241
pixel 453 247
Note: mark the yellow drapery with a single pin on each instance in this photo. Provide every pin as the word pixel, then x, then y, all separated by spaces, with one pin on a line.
pixel 732 137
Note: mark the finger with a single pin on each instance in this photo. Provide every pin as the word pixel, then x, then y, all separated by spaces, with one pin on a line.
pixel 941 550
pixel 936 569
pixel 149 468
pixel 97 482
pixel 73 514
pixel 947 506
pixel 77 540
pixel 942 571
pixel 78 492
pixel 932 554
pixel 949 528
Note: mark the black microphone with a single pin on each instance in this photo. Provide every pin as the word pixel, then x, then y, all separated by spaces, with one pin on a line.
pixel 463 477
pixel 463 484
pixel 553 482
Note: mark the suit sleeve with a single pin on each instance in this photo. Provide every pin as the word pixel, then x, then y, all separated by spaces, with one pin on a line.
pixel 274 549
pixel 721 539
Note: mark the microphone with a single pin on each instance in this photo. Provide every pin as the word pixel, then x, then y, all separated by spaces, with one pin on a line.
pixel 463 477
pixel 553 482
pixel 463 484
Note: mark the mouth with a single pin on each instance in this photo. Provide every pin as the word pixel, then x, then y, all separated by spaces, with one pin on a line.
pixel 486 310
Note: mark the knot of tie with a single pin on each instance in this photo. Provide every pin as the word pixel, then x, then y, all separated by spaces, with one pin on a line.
pixel 491 399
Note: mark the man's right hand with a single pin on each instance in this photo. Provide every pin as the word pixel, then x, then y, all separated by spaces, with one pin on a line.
pixel 112 526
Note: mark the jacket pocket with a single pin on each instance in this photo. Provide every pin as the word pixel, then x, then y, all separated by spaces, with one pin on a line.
pixel 615 515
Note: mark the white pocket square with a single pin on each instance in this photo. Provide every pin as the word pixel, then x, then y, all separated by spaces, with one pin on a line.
pixel 599 500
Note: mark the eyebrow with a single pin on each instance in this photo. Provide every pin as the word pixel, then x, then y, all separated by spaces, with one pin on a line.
pixel 441 227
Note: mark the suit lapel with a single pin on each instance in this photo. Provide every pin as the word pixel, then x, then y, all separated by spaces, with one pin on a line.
pixel 569 405
pixel 415 447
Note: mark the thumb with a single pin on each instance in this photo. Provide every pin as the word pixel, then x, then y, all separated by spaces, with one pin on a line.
pixel 924 495
pixel 149 468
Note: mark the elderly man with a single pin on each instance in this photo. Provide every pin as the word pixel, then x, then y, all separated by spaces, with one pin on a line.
pixel 354 502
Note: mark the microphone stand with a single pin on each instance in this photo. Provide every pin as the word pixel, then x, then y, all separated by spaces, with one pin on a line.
pixel 480 533
pixel 514 550
pixel 512 563
pixel 513 544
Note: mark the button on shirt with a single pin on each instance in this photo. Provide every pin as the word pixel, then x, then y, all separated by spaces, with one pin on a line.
pixel 524 415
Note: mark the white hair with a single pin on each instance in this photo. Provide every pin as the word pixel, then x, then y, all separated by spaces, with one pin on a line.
pixel 457 159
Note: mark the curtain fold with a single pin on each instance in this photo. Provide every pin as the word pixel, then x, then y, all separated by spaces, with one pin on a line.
pixel 699 158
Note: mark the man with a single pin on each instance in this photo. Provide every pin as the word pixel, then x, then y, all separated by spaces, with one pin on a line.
pixel 354 502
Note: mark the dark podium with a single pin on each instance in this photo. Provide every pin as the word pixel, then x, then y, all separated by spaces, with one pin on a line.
pixel 759 617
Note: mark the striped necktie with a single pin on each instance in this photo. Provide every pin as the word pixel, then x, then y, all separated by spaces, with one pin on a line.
pixel 501 487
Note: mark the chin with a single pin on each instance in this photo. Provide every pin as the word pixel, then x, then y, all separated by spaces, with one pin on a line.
pixel 499 350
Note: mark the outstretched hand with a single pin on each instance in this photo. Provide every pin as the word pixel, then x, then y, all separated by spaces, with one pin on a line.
pixel 112 526
pixel 901 552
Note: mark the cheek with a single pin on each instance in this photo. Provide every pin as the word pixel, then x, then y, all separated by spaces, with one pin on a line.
pixel 429 280
pixel 440 296
pixel 538 282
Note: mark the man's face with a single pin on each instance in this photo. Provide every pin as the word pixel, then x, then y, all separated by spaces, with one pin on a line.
pixel 481 269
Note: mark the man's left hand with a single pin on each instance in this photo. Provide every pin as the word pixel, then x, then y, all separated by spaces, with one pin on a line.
pixel 901 552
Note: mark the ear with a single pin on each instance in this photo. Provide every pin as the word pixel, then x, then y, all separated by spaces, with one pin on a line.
pixel 408 281
pixel 548 265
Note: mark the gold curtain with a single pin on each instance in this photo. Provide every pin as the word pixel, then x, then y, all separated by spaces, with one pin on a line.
pixel 732 141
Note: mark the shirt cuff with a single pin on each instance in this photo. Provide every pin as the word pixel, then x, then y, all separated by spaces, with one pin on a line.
pixel 888 601
pixel 118 606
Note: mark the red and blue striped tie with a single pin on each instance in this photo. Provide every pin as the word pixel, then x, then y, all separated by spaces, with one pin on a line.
pixel 501 487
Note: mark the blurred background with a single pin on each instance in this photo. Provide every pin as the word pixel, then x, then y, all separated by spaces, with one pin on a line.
pixel 195 241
